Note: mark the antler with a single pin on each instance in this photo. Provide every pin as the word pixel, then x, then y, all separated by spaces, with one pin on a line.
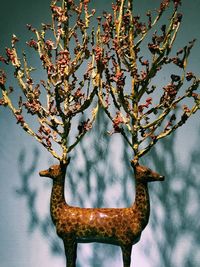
pixel 67 94
pixel 140 116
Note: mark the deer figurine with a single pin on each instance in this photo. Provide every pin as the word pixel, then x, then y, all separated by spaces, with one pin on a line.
pixel 117 226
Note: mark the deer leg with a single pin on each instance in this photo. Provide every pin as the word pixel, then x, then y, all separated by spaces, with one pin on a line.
pixel 126 253
pixel 70 252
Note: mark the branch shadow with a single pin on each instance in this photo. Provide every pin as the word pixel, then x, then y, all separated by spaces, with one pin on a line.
pixel 176 217
pixel 30 195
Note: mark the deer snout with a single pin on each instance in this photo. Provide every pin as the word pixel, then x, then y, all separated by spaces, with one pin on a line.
pixel 44 173
pixel 157 177
pixel 161 178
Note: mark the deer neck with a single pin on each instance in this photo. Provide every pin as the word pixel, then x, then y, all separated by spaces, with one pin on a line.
pixel 57 199
pixel 142 203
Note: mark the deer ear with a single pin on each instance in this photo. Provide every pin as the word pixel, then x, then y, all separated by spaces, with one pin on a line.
pixel 64 165
pixel 134 163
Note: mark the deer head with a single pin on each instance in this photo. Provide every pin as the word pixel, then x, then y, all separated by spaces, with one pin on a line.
pixel 55 172
pixel 144 174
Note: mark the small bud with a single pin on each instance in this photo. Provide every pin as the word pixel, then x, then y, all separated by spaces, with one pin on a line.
pixel 189 76
pixel 33 43
pixel 2 78
pixel 20 119
pixel 179 17
pixel 14 40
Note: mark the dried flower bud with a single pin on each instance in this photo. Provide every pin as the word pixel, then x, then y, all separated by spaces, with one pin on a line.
pixel 20 119
pixel 195 96
pixel 48 142
pixel 78 94
pixel 177 3
pixel 119 78
pixel 144 62
pixel 98 53
pixel 170 122
pixel 186 109
pixel 115 7
pixel 2 59
pixel 179 62
pixel 30 28
pixel 164 4
pixel 44 130
pixel 11 55
pixel 33 43
pixel 99 18
pixel 59 13
pixel 154 48
pixel 149 15
pixel 170 92
pixel 14 40
pixel 29 81
pixel 146 105
pixel 179 17
pixel 2 102
pixel 93 11
pixel 46 26
pixel 62 61
pixel 2 78
pixel 189 76
pixel 117 121
pixel 84 126
pixel 49 44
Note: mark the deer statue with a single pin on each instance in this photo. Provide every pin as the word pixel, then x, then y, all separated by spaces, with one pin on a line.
pixel 117 226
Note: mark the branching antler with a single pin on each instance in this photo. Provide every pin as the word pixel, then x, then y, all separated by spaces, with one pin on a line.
pixel 140 118
pixel 66 93
pixel 116 71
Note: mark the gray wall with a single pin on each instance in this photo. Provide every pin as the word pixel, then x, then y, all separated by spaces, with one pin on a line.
pixel 20 246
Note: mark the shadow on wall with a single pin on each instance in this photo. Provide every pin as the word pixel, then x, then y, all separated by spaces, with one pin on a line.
pixel 93 175
pixel 43 225
pixel 176 218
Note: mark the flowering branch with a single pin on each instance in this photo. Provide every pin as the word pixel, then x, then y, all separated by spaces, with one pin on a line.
pixel 142 117
pixel 67 93
pixel 116 72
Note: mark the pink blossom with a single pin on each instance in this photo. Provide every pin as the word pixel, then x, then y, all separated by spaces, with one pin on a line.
pixel 49 44
pixel 59 13
pixel 11 55
pixel 33 43
pixel 146 105
pixel 119 78
pixel 98 53
pixel 20 119
pixel 117 121
pixel 2 59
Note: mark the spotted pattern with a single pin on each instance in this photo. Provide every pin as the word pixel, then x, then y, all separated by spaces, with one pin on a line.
pixel 118 226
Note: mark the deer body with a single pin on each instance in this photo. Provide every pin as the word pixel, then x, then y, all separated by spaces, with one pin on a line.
pixel 117 226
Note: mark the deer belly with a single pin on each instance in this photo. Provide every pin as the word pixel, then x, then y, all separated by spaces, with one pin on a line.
pixel 110 235
pixel 104 226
